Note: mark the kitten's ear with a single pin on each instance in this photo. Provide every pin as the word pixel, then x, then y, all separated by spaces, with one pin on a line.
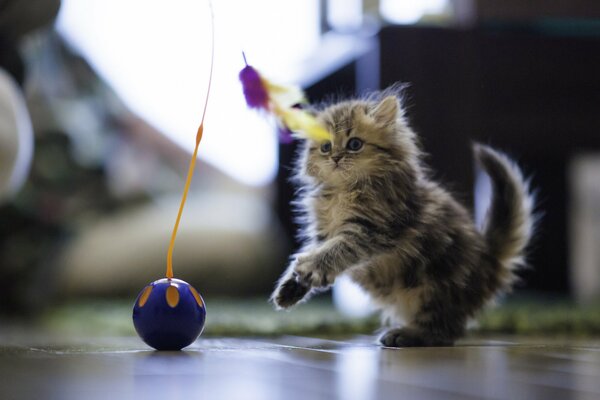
pixel 386 112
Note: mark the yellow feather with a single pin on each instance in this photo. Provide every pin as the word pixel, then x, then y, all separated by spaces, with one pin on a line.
pixel 285 96
pixel 303 123
pixel 282 99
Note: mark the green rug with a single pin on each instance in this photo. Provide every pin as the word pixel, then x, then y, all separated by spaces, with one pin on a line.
pixel 256 317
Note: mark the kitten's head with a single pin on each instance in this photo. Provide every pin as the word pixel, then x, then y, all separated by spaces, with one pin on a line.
pixel 369 138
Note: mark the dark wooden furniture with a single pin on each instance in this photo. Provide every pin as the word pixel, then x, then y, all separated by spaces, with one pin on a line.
pixel 534 93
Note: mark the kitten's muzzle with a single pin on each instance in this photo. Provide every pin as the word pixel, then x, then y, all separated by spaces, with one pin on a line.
pixel 337 158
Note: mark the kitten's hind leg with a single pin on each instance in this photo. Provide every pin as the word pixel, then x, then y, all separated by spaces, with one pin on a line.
pixel 412 337
pixel 401 337
pixel 431 326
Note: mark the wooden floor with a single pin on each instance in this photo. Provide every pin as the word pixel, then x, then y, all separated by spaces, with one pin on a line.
pixel 297 368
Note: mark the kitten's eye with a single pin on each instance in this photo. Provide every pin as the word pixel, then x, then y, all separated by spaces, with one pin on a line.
pixel 325 147
pixel 354 144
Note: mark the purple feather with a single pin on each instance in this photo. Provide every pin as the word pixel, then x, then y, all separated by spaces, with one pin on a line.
pixel 285 135
pixel 254 91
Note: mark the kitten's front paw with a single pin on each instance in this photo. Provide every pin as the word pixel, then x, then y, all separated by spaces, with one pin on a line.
pixel 288 293
pixel 310 274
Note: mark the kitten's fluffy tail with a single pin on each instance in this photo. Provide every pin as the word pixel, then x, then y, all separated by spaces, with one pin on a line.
pixel 510 221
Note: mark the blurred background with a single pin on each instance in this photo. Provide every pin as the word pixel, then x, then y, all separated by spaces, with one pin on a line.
pixel 100 101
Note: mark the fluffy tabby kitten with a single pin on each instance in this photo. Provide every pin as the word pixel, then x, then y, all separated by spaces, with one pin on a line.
pixel 372 212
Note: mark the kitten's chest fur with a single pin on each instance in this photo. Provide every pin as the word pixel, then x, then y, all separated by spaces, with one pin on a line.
pixel 331 209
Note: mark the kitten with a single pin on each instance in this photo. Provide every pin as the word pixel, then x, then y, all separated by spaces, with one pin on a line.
pixel 372 212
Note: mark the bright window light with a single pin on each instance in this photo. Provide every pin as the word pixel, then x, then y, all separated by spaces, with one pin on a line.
pixel 345 15
pixel 409 12
pixel 156 56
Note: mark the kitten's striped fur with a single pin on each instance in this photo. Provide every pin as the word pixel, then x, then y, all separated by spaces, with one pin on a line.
pixel 376 215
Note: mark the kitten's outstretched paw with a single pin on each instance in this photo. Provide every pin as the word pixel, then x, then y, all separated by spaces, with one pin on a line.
pixel 312 275
pixel 406 337
pixel 289 293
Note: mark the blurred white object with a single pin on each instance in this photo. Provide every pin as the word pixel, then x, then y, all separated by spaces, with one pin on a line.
pixel 584 219
pixel 16 137
pixel 483 196
pixel 228 243
pixel 350 299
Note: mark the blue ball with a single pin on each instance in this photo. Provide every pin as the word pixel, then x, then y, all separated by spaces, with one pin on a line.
pixel 169 314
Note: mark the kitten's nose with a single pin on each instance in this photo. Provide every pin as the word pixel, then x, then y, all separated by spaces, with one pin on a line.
pixel 337 158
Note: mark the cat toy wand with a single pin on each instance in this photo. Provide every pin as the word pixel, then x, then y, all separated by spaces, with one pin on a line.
pixel 169 314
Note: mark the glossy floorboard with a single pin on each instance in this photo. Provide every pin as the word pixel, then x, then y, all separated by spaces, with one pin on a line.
pixel 297 368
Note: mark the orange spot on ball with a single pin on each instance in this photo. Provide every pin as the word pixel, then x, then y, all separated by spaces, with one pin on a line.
pixel 144 297
pixel 197 297
pixel 172 296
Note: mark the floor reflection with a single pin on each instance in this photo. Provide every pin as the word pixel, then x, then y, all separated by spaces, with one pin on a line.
pixel 304 368
pixel 357 371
